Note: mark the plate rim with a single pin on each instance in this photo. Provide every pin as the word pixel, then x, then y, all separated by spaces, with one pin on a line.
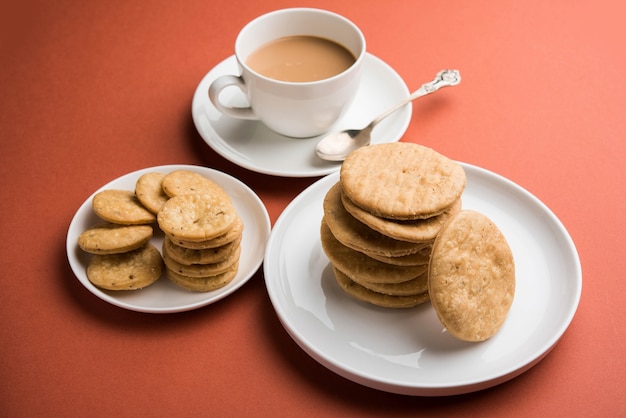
pixel 259 210
pixel 440 389
pixel 200 97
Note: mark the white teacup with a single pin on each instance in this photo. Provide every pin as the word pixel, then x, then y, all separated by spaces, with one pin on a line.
pixel 293 108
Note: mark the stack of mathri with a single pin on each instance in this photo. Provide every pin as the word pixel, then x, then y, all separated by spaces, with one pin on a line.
pixel 396 234
pixel 382 217
pixel 203 231
pixel 201 245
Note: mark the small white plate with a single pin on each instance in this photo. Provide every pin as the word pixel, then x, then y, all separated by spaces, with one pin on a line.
pixel 407 351
pixel 163 296
pixel 251 145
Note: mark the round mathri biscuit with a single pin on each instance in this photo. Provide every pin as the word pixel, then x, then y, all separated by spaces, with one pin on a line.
pixel 203 284
pixel 126 271
pixel 360 265
pixel 108 238
pixel 401 180
pixel 471 276
pixel 149 191
pixel 419 230
pixel 180 182
pixel 197 217
pixel 190 256
pixel 416 286
pixel 231 235
pixel 364 294
pixel 202 270
pixel 121 207
pixel 358 236
pixel 420 258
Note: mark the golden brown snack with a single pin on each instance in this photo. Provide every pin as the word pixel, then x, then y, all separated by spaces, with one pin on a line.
pixel 126 271
pixel 108 238
pixel 401 180
pixel 189 256
pixel 203 284
pixel 181 182
pixel 197 217
pixel 420 230
pixel 233 234
pixel 420 258
pixel 380 299
pixel 358 236
pixel 416 286
pixel 471 276
pixel 357 264
pixel 121 207
pixel 150 192
pixel 202 270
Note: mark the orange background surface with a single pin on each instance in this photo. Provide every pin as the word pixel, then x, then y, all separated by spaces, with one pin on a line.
pixel 97 89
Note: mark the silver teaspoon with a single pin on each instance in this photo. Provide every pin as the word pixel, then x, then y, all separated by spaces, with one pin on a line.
pixel 337 146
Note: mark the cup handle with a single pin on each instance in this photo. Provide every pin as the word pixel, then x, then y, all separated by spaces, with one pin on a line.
pixel 220 84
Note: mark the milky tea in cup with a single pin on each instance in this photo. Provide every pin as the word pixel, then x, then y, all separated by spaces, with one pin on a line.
pixel 300 58
pixel 299 68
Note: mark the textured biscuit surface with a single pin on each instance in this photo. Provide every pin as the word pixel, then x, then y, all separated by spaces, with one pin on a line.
pixel 150 192
pixel 107 238
pixel 375 298
pixel 357 264
pixel 197 217
pixel 422 257
pixel 231 235
pixel 203 284
pixel 416 286
pixel 202 270
pixel 358 236
pixel 189 256
pixel 126 271
pixel 121 207
pixel 419 230
pixel 471 276
pixel 180 182
pixel 401 180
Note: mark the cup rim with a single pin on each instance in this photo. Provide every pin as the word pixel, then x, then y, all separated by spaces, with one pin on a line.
pixel 353 67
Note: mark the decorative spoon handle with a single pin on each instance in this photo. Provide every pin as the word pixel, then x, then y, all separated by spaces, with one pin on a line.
pixel 444 78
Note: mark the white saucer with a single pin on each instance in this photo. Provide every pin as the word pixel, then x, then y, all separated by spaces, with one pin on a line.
pixel 163 296
pixel 407 351
pixel 252 145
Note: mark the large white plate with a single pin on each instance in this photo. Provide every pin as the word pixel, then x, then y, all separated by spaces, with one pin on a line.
pixel 252 145
pixel 163 296
pixel 407 351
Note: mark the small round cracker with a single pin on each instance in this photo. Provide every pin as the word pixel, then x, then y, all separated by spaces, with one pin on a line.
pixel 126 271
pixel 420 230
pixel 231 235
pixel 202 270
pixel 197 217
pixel 121 207
pixel 108 238
pixel 416 286
pixel 420 258
pixel 358 236
pixel 363 294
pixel 189 256
pixel 203 284
pixel 401 180
pixel 471 276
pixel 150 192
pixel 357 264
pixel 181 182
